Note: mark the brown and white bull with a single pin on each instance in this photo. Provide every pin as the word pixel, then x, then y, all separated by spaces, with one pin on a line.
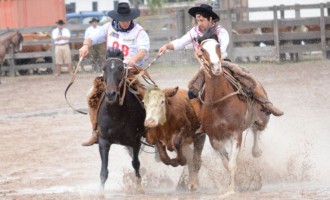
pixel 172 125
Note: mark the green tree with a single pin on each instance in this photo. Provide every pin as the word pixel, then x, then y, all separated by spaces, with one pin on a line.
pixel 154 4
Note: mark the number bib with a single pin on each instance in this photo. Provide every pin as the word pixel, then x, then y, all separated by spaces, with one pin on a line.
pixel 125 41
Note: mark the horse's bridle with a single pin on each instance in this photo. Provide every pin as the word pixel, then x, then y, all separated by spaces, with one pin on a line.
pixel 122 82
pixel 207 66
pixel 227 75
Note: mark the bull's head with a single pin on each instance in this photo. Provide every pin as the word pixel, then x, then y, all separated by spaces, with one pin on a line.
pixel 155 101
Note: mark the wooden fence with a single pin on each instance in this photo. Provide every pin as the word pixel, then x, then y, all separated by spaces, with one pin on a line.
pixel 164 28
pixel 161 29
pixel 229 21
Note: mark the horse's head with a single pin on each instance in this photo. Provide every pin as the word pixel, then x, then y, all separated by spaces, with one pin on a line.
pixel 114 75
pixel 17 41
pixel 155 105
pixel 210 48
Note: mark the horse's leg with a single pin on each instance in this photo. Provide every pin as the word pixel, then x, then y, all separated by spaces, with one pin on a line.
pixel 164 156
pixel 196 163
pixel 220 146
pixel 256 151
pixel 257 127
pixel 104 147
pixel 136 166
pixel 232 163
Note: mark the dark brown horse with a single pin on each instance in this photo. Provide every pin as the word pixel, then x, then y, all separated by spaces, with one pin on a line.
pixel 121 116
pixel 7 39
pixel 224 114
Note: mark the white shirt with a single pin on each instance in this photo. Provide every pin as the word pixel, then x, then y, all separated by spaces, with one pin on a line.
pixel 190 38
pixel 64 32
pixel 91 30
pixel 129 42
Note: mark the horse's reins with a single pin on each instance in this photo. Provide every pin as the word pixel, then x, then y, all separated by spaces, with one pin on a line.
pixel 123 83
pixel 67 88
pixel 143 73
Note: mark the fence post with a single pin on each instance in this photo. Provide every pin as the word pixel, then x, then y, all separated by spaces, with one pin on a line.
pixel 297 15
pixel 12 67
pixel 297 10
pixel 231 54
pixel 282 11
pixel 180 22
pixel 53 57
pixel 322 31
pixel 187 20
pixel 276 35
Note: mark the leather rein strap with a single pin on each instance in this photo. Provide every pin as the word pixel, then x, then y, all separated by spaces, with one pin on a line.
pixel 71 83
pixel 229 77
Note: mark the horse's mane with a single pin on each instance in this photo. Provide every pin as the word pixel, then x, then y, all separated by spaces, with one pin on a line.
pixel 210 33
pixel 115 53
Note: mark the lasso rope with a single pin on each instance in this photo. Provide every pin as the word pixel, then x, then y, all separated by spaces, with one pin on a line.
pixel 72 81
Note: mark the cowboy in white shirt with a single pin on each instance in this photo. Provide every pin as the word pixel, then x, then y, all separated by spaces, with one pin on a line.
pixel 206 19
pixel 97 51
pixel 124 34
pixel 61 37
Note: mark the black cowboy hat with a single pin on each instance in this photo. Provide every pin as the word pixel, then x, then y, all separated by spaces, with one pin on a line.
pixel 94 19
pixel 204 8
pixel 124 12
pixel 60 22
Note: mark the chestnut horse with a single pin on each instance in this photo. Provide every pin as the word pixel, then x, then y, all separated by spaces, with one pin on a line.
pixel 224 115
pixel 120 116
pixel 13 38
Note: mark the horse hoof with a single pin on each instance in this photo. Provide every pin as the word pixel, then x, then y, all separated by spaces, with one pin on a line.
pixel 226 192
pixel 256 153
pixel 193 183
pixel 140 190
pixel 192 187
pixel 101 194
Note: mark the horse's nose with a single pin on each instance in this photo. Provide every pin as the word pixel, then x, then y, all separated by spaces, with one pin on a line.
pixel 111 96
pixel 216 68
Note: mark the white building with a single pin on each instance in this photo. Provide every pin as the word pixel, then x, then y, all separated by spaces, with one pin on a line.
pixel 90 5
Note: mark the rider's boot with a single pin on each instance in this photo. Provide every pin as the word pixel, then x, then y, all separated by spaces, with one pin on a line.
pixel 248 80
pixel 94 137
pixel 261 96
pixel 196 104
pixel 196 84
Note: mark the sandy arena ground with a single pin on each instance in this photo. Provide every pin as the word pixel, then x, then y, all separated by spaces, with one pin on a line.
pixel 41 156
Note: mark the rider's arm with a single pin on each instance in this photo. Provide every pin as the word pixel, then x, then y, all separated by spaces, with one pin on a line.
pixel 98 37
pixel 141 54
pixel 223 40
pixel 143 46
pixel 177 44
